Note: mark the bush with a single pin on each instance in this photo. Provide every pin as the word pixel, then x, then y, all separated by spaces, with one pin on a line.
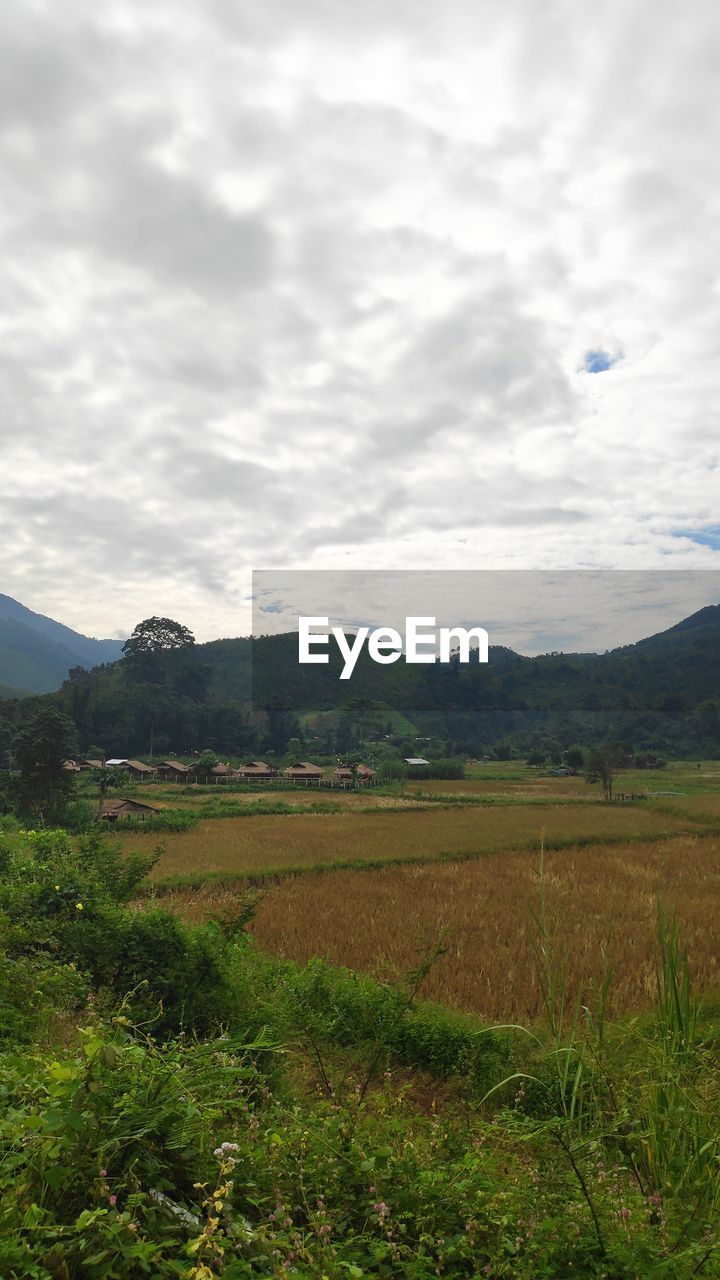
pixel 65 902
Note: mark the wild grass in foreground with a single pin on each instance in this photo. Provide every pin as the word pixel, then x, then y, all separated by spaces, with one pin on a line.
pixel 158 1133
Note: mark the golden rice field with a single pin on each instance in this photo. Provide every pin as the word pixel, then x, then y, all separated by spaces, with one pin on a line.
pixel 241 846
pixel 170 797
pixel 381 921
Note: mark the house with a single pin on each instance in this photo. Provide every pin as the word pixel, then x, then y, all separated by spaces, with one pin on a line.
pixel 255 769
pixel 173 771
pixel 113 809
pixel 135 768
pixel 70 766
pixel 361 775
pixel 139 771
pixel 416 760
pixel 220 772
pixel 303 770
pixel 86 765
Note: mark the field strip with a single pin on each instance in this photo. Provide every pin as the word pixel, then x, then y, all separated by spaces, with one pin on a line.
pixel 601 903
pixel 161 884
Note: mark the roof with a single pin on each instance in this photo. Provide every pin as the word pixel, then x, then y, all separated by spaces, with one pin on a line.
pixel 416 760
pixel 174 764
pixel 117 760
pixel 139 766
pixel 304 767
pixel 126 806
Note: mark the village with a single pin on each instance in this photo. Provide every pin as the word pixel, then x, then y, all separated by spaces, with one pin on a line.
pixel 301 771
pixel 200 773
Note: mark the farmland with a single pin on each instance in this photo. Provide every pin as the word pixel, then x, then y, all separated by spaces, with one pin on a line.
pixel 600 900
pixel 508 880
pixel 372 883
pixel 238 847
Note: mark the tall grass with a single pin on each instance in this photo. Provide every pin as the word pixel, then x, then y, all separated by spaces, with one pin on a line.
pixel 644 1092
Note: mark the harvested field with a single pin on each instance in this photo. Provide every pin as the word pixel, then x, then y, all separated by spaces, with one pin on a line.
pixel 381 921
pixel 240 846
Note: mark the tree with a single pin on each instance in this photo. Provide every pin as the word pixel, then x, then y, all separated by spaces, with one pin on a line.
pixel 205 763
pixel 41 750
pixel 574 759
pixel 151 645
pixel 603 767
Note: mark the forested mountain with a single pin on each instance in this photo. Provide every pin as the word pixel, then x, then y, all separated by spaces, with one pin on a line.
pixel 37 653
pixel 240 696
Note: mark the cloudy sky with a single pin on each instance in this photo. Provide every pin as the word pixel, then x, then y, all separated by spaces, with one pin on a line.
pixel 336 285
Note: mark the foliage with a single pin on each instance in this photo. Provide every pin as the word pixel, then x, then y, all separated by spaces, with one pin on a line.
pixel 41 749
pixel 62 901
pixel 129 1147
pixel 156 649
pixel 603 767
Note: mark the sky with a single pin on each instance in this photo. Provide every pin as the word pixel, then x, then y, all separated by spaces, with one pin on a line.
pixel 531 611
pixel 352 286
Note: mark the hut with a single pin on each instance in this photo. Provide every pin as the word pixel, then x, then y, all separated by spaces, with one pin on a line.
pixel 303 771
pixel 173 771
pixel 112 810
pixel 255 770
pixel 138 771
pixel 345 774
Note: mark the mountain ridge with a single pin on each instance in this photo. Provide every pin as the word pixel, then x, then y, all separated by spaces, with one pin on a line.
pixel 36 652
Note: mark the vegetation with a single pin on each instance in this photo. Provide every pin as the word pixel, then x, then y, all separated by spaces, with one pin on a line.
pixel 660 697
pixel 305 841
pixel 41 748
pixel 177 1104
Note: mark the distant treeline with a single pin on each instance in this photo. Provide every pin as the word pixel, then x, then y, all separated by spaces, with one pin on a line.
pixel 243 697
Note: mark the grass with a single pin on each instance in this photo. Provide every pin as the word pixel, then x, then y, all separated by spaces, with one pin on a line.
pixel 242 846
pixel 600 899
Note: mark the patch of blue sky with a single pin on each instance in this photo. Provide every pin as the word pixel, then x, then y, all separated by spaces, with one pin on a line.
pixel 709 537
pixel 599 361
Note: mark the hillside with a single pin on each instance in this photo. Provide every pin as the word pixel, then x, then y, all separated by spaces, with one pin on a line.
pixel 36 653
pixel 242 695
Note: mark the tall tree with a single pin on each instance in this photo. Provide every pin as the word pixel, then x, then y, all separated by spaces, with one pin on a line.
pixel 151 646
pixel 41 750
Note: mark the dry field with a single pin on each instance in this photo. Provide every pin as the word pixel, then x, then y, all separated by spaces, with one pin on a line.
pixel 298 797
pixel 534 784
pixel 382 920
pixel 240 846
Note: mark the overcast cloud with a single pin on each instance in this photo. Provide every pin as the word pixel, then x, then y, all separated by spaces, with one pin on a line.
pixel 314 285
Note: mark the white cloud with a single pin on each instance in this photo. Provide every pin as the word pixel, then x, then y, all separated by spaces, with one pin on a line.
pixel 314 285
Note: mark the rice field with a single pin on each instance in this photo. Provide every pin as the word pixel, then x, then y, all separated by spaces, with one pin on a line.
pixel 599 898
pixel 247 845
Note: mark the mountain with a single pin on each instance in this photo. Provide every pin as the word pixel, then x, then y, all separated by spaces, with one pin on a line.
pixel 36 653
pixel 661 694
